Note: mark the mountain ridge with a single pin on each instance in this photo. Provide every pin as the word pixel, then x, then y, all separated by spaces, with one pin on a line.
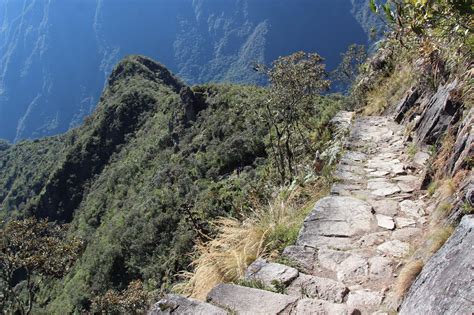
pixel 56 56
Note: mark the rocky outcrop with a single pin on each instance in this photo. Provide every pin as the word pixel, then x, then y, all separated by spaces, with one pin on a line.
pixel 446 283
pixel 126 102
pixel 441 111
pixel 432 114
pixel 408 102
pixel 463 148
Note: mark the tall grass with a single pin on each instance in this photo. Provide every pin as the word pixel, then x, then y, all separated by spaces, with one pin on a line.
pixel 390 90
pixel 268 230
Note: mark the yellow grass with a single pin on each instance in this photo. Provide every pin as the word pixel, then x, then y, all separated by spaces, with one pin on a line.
pixel 438 237
pixel 407 275
pixel 390 91
pixel 238 243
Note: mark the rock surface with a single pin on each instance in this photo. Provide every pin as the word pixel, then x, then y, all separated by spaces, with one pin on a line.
pixel 245 300
pixel 269 273
pixel 446 283
pixel 336 217
pixel 175 304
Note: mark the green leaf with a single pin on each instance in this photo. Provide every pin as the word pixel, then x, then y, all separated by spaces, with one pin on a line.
pixel 388 12
pixel 373 6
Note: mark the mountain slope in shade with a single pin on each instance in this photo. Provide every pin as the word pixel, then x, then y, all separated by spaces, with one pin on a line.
pixel 56 55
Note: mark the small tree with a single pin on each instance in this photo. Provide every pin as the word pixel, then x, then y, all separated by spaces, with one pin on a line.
pixel 294 80
pixel 349 68
pixel 31 251
pixel 133 300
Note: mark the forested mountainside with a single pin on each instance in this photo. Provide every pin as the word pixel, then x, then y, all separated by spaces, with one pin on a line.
pixel 144 176
pixel 56 55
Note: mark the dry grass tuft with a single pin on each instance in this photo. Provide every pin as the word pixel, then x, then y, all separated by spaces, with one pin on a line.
pixel 390 91
pixel 446 188
pixel 238 243
pixel 407 275
pixel 438 237
pixel 442 211
pixel 225 257
pixel 444 153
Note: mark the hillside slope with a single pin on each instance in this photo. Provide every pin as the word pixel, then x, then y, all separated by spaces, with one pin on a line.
pixel 137 175
pixel 140 181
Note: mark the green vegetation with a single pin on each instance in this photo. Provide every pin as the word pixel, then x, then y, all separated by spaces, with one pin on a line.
pixel 30 252
pixel 146 176
pixel 294 81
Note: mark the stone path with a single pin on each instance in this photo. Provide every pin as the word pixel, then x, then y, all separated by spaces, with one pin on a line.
pixel 349 249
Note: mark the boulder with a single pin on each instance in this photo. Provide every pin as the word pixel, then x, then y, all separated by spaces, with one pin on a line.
pixel 269 273
pixel 446 283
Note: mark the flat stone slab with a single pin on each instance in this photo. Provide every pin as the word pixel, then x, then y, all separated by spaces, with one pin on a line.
pixel 406 234
pixel 330 259
pixel 404 222
pixel 176 304
pixel 421 158
pixel 336 216
pixel 373 239
pixel 364 300
pixel 319 307
pixel 385 221
pixel 353 269
pixel 269 272
pixel 412 208
pixel 408 183
pixel 244 300
pixel 380 268
pixel 304 257
pixel 383 188
pixel 394 248
pixel 316 287
pixel 386 206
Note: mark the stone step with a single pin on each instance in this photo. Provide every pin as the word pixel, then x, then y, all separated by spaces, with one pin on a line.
pixel 176 304
pixel 244 300
pixel 271 274
pixel 338 218
pixel 308 286
pixel 296 283
pixel 319 307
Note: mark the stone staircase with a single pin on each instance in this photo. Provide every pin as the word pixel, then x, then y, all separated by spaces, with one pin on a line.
pixel 351 245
